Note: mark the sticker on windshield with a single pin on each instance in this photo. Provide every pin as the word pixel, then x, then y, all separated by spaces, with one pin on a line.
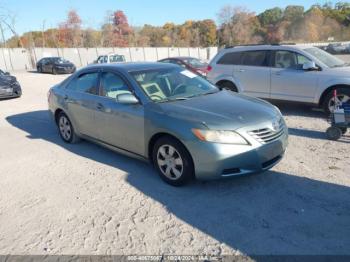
pixel 188 74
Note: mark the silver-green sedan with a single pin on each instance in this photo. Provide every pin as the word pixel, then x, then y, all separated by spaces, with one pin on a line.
pixel 172 117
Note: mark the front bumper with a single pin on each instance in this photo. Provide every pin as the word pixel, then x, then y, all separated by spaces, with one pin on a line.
pixel 65 70
pixel 214 161
pixel 11 91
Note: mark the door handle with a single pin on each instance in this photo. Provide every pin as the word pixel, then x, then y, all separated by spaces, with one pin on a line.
pixel 278 73
pixel 99 106
pixel 66 97
pixel 241 70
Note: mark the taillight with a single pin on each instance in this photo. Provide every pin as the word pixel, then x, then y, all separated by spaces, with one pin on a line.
pixel 209 68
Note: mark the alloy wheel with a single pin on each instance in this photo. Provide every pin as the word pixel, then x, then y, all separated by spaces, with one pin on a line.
pixel 170 162
pixel 65 128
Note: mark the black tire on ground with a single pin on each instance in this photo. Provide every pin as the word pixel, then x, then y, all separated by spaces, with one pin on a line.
pixel 227 85
pixel 54 71
pixel 181 152
pixel 39 69
pixel 334 133
pixel 329 97
pixel 64 123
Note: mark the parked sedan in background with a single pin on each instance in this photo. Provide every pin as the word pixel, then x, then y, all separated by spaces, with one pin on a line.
pixel 9 86
pixel 195 65
pixel 172 117
pixel 55 65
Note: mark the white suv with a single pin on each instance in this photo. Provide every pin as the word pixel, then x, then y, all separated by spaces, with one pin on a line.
pixel 110 58
pixel 282 72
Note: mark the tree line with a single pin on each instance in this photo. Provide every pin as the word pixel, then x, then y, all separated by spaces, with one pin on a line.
pixel 235 25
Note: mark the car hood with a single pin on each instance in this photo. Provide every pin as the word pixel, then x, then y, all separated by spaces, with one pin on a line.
pixel 7 80
pixel 222 110
pixel 339 71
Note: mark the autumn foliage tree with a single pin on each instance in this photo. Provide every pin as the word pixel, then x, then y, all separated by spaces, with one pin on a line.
pixel 70 34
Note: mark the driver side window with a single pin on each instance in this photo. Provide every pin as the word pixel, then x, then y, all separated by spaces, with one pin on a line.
pixel 113 85
pixel 289 60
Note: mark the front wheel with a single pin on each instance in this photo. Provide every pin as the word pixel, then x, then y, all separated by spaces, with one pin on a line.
pixel 329 103
pixel 172 161
pixel 66 129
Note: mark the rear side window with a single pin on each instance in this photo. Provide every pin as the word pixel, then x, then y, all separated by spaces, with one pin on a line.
pixel 85 83
pixel 254 58
pixel 232 58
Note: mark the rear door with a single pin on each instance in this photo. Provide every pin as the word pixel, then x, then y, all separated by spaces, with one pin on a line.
pixel 80 99
pixel 225 66
pixel 288 79
pixel 253 73
pixel 120 125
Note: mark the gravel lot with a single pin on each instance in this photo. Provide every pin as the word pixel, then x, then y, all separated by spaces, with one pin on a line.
pixel 83 199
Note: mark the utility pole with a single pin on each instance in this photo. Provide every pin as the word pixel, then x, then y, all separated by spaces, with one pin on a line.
pixel 43 34
pixel 3 45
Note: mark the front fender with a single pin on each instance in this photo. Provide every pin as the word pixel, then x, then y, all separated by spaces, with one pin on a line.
pixel 324 85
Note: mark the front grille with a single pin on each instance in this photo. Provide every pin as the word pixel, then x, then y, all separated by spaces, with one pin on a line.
pixel 267 135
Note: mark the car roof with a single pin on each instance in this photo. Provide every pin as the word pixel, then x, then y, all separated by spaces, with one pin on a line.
pixel 133 66
pixel 268 47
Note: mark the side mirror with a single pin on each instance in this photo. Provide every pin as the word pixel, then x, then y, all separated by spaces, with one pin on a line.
pixel 7 73
pixel 128 99
pixel 309 66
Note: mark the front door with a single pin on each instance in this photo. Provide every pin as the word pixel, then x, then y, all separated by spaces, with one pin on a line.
pixel 288 79
pixel 120 125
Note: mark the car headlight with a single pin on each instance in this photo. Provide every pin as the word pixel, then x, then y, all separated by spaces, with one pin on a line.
pixel 218 136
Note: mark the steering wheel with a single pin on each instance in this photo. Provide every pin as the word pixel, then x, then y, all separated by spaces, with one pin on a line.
pixel 176 88
pixel 156 97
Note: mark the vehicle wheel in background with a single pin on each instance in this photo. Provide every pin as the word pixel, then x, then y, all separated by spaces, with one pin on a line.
pixel 172 161
pixel 39 69
pixel 334 133
pixel 343 95
pixel 227 85
pixel 54 71
pixel 66 129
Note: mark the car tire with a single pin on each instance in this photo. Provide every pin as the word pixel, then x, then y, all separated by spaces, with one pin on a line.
pixel 39 69
pixel 228 86
pixel 66 129
pixel 334 133
pixel 328 101
pixel 172 161
pixel 54 71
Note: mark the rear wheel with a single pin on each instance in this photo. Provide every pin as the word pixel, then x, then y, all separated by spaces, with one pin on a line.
pixel 227 85
pixel 343 96
pixel 66 129
pixel 172 161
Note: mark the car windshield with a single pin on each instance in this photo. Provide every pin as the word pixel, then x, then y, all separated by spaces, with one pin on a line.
pixel 170 84
pixel 60 60
pixel 196 63
pixel 326 58
pixel 116 58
